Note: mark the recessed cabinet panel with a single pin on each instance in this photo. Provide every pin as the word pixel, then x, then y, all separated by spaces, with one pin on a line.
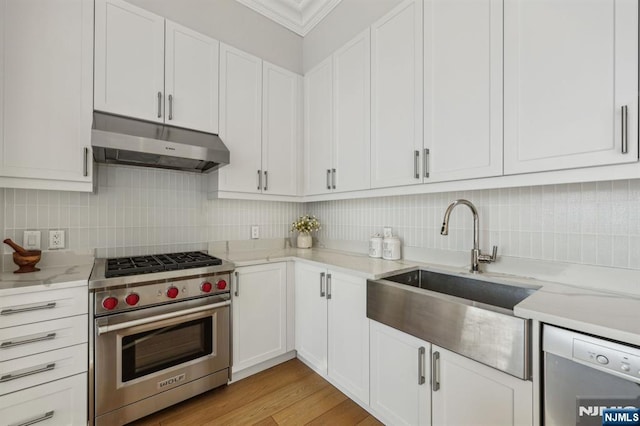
pixel 241 119
pixel 396 96
pixel 191 79
pixel 463 88
pixel 45 90
pixel 129 61
pixel 567 87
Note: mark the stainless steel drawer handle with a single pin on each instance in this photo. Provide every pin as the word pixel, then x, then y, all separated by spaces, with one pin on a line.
pixel 36 370
pixel 625 129
pixel 435 372
pixel 416 161
pixel 237 282
pixel 333 178
pixel 85 167
pixel 159 104
pixel 12 344
pixel 328 178
pixel 12 311
pixel 259 180
pixel 421 362
pixel 328 286
pixel 266 181
pixel 322 285
pixel 46 416
pixel 170 107
pixel 425 166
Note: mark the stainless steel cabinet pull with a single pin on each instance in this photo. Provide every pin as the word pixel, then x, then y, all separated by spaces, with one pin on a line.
pixel 11 344
pixel 416 160
pixel 9 377
pixel 322 294
pixel 425 166
pixel 46 416
pixel 266 181
pixel 328 178
pixel 435 372
pixel 159 104
pixel 259 180
pixel 10 311
pixel 237 280
pixel 625 129
pixel 328 286
pixel 421 360
pixel 85 167
pixel 170 107
pixel 333 178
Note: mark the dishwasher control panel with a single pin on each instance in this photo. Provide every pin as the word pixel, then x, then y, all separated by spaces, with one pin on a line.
pixel 608 356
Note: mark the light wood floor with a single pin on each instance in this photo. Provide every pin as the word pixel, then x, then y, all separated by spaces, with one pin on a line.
pixel 288 394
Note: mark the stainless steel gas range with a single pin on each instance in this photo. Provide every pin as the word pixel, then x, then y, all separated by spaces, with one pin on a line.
pixel 160 332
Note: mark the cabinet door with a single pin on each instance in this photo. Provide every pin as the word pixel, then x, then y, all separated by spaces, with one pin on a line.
pixel 400 391
pixel 462 89
pixel 566 86
pixel 281 114
pixel 311 315
pixel 45 89
pixel 396 96
pixel 259 314
pixel 241 119
pixel 191 79
pixel 129 61
pixel 348 347
pixel 488 396
pixel 318 129
pixel 352 114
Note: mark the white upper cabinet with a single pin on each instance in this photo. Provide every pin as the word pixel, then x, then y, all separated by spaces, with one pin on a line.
pixel 129 60
pixel 281 130
pixel 318 131
pixel 571 84
pixel 396 96
pixel 241 119
pixel 146 72
pixel 46 58
pixel 352 115
pixel 462 89
pixel 191 79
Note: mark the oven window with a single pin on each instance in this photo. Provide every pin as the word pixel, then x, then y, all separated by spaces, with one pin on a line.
pixel 156 350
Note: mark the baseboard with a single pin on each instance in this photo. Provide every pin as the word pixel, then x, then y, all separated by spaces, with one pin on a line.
pixel 265 365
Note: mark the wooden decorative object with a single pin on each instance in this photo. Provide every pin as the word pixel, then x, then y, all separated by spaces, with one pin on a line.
pixel 25 259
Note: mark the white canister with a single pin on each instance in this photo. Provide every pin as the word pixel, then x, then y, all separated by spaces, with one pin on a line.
pixel 375 246
pixel 391 248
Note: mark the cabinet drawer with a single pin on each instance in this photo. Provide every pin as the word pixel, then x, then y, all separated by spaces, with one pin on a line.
pixel 33 370
pixel 31 307
pixel 57 403
pixel 30 339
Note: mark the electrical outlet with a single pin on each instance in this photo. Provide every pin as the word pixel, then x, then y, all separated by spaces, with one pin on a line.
pixel 56 239
pixel 31 240
pixel 255 232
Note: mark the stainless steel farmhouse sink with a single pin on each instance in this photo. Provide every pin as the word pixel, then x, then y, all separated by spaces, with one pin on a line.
pixel 468 316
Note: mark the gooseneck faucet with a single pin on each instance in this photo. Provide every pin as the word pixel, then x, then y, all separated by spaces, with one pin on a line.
pixel 476 255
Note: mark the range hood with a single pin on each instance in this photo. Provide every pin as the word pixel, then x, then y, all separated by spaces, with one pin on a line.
pixel 123 140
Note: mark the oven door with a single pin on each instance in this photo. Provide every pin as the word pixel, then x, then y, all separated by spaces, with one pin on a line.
pixel 142 353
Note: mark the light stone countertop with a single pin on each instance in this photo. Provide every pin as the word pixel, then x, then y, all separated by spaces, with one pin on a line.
pixel 609 314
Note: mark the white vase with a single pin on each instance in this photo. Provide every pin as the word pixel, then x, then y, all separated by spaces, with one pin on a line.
pixel 304 240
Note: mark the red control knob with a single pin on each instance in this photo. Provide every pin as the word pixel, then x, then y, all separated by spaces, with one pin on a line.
pixel 222 284
pixel 172 292
pixel 110 303
pixel 132 299
pixel 206 287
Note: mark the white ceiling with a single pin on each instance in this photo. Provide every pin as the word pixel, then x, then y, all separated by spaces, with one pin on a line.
pixel 300 16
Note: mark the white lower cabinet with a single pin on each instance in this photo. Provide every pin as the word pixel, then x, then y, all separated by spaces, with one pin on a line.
pixel 259 308
pixel 400 392
pixel 332 328
pixel 414 382
pixel 55 403
pixel 470 393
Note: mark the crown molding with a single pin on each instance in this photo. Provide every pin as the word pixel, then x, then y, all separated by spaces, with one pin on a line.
pixel 299 16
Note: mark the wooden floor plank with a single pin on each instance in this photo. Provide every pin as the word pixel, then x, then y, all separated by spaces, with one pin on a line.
pixel 310 407
pixel 287 394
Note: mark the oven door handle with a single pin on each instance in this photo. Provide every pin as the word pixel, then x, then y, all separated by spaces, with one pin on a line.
pixel 114 327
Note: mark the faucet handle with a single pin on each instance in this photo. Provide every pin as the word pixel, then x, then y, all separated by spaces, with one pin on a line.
pixel 494 253
pixel 485 258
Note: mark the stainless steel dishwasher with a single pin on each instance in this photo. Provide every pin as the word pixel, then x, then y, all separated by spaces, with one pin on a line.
pixel 584 375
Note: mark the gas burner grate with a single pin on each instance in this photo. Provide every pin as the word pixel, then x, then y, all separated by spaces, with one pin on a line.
pixel 124 266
